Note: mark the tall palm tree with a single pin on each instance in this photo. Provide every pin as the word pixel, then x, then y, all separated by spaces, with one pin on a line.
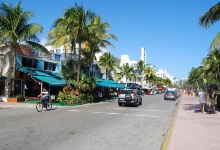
pixel 107 61
pixel 15 29
pixel 209 18
pixel 97 38
pixel 76 25
pixel 80 19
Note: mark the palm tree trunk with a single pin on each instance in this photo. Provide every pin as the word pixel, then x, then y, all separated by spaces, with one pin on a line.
pixel 13 69
pixel 79 62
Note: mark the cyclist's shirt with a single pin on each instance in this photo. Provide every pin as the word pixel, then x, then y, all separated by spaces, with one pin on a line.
pixel 44 93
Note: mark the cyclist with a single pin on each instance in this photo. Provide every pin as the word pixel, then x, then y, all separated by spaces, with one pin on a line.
pixel 44 95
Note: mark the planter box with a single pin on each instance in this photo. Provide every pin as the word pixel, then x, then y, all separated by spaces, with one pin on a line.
pixel 15 99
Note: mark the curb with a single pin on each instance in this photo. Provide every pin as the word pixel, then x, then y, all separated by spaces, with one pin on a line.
pixel 169 131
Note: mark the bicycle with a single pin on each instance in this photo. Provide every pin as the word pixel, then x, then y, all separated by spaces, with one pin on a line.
pixel 40 105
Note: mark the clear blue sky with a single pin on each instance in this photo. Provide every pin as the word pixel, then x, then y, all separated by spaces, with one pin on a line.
pixel 168 30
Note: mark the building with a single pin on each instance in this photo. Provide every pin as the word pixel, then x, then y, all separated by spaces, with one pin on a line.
pixel 33 71
pixel 161 73
pixel 143 55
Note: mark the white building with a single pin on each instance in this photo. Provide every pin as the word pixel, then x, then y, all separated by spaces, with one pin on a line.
pixel 143 55
pixel 164 75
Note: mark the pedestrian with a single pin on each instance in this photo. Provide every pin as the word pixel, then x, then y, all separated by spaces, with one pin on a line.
pixel 202 100
pixel 212 96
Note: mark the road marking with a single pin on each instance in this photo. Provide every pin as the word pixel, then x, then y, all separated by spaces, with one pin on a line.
pixel 72 110
pixel 126 114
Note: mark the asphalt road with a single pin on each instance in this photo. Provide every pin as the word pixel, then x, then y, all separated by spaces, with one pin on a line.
pixel 97 126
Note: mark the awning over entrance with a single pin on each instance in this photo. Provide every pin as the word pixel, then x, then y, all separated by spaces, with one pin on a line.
pixel 109 83
pixel 51 78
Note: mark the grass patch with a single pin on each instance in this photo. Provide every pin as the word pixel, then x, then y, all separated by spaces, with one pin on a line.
pixel 63 104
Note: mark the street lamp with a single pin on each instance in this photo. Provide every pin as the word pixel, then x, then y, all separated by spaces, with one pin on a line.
pixel 9 80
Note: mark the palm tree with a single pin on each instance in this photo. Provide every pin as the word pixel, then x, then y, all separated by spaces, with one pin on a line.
pixel 212 64
pixel 140 68
pixel 76 25
pixel 127 71
pixel 15 29
pixel 80 30
pixel 209 18
pixel 148 73
pixel 97 38
pixel 58 37
pixel 107 61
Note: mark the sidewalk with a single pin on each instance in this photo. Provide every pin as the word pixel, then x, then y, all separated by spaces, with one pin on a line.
pixel 16 104
pixel 193 130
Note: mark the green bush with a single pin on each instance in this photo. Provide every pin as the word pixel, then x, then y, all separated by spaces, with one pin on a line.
pixel 68 98
pixel 86 97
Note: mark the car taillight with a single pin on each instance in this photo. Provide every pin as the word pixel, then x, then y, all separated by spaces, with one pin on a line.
pixel 133 93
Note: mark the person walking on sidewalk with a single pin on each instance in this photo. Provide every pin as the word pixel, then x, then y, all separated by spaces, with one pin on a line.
pixel 212 97
pixel 202 100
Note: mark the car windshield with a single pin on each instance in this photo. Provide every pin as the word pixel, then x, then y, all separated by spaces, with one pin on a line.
pixel 169 92
pixel 126 92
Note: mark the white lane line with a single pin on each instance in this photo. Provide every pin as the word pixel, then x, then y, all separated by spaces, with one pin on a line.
pixel 126 114
pixel 73 110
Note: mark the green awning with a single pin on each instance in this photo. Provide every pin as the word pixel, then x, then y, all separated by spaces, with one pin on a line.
pixel 109 83
pixel 53 79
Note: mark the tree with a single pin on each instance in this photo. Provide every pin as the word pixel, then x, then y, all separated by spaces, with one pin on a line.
pixel 127 71
pixel 209 18
pixel 107 61
pixel 97 38
pixel 140 68
pixel 148 73
pixel 196 77
pixel 15 30
pixel 212 64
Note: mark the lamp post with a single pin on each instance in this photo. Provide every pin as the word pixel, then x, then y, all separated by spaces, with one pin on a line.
pixel 9 80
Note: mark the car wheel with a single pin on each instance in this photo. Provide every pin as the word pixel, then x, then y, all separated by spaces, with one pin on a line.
pixel 119 104
pixel 136 104
pixel 140 103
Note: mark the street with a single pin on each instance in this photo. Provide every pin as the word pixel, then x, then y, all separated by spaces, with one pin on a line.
pixel 96 126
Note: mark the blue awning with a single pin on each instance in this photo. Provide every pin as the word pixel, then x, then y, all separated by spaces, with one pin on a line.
pixel 53 79
pixel 109 83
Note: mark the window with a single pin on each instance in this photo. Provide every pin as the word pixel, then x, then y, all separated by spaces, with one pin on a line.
pixel 29 62
pixel 34 63
pixel 24 61
pixel 49 66
pixel 58 51
pixel 45 65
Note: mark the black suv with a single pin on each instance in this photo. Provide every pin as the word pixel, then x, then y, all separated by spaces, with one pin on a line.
pixel 130 96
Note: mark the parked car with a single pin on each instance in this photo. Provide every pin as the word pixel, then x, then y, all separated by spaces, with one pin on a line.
pixel 130 96
pixel 170 95
pixel 142 92
pixel 158 91
pixel 151 92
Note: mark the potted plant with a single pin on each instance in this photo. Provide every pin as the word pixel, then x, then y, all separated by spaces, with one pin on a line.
pixel 16 98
